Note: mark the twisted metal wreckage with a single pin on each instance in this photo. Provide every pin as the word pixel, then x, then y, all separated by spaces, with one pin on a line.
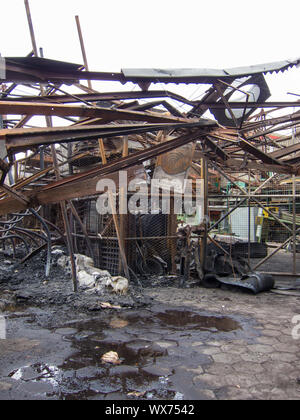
pixel 49 175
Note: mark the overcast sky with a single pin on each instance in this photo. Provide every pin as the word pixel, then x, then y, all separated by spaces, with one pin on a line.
pixel 160 33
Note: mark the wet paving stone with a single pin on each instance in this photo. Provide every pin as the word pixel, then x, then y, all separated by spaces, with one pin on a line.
pixel 165 353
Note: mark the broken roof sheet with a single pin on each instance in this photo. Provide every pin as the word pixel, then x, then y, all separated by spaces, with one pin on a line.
pixel 39 63
pixel 208 75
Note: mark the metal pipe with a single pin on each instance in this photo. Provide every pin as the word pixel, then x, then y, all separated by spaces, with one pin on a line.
pixel 48 263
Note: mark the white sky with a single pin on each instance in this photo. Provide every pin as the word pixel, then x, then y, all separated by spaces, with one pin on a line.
pixel 160 33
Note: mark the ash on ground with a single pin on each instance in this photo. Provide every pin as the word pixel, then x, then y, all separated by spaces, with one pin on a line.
pixel 27 284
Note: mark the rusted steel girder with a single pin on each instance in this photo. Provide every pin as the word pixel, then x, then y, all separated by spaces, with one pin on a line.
pixel 84 184
pixel 59 110
pixel 150 94
pixel 24 139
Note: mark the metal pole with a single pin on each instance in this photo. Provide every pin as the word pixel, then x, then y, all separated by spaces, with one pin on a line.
pixel 31 30
pixel 294 226
pixel 205 233
pixel 83 48
pixel 249 219
pixel 272 253
pixel 55 163
pixel 114 215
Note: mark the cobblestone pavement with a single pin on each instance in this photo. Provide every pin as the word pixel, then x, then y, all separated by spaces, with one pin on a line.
pixel 268 367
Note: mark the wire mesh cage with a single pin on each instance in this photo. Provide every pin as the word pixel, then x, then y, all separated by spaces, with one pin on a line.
pixel 149 240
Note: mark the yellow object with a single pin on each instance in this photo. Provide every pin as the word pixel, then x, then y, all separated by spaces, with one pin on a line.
pixel 272 209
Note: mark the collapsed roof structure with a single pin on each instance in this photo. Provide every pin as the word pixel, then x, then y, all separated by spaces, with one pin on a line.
pixel 106 132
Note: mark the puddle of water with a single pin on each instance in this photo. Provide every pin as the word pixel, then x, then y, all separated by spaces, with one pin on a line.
pixel 147 368
pixel 192 320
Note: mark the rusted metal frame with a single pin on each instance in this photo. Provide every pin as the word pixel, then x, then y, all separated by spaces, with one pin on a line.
pixel 272 130
pixel 30 179
pixel 68 191
pixel 110 168
pixel 66 224
pixel 273 253
pixel 292 161
pixel 70 245
pixel 244 112
pixel 56 169
pixel 240 165
pixel 240 203
pixel 229 106
pixel 76 98
pixel 21 73
pixel 248 147
pixel 138 157
pixel 204 176
pixel 285 151
pixel 83 228
pixel 258 196
pixel 149 105
pixel 220 92
pixel 237 105
pixel 85 88
pixel 264 184
pixel 37 137
pixel 114 216
pixel 215 148
pixel 294 226
pixel 228 178
pixel 123 217
pixel 218 245
pixel 15 194
pixel 65 220
pixel 37 108
pixel 109 96
pixel 249 219
pixel 251 197
pixel 139 238
pixel 212 95
pixel 271 122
